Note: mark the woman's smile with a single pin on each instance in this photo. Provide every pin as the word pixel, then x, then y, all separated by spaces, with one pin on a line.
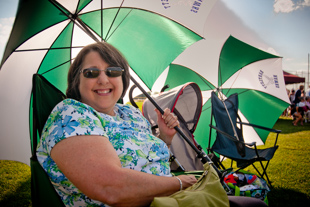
pixel 103 91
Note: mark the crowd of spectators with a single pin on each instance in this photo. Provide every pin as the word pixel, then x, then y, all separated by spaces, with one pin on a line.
pixel 300 105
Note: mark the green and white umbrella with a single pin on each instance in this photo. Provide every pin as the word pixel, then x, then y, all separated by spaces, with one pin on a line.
pixel 47 35
pixel 228 67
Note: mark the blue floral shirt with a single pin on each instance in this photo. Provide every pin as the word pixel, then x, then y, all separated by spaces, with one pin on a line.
pixel 129 132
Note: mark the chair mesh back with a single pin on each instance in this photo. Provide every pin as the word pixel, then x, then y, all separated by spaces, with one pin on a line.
pixel 225 115
pixel 45 98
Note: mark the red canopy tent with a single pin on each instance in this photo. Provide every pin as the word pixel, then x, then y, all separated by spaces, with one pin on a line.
pixel 290 78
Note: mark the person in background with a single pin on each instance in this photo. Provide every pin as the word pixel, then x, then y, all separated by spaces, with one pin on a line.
pixel 299 94
pixel 292 96
pixel 307 113
pixel 299 112
pixel 292 105
pixel 307 93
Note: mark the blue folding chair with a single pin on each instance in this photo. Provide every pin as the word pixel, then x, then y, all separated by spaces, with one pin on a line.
pixel 230 141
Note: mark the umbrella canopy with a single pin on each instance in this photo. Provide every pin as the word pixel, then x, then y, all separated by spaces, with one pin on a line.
pixel 47 35
pixel 256 76
pixel 290 78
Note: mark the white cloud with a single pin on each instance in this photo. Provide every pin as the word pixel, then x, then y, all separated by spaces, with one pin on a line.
pixel 305 3
pixel 284 6
pixel 287 6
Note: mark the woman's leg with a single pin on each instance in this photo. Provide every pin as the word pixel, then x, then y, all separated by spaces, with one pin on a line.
pixel 241 201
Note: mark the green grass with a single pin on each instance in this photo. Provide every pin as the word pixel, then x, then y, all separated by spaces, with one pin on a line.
pixel 289 171
pixel 290 167
pixel 14 184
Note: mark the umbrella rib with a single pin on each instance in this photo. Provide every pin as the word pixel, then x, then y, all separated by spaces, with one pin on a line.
pixel 119 8
pixel 56 48
pixel 117 26
pixel 55 67
pixel 206 109
pixel 101 20
pixel 74 18
pixel 84 27
pixel 206 82
pixel 234 82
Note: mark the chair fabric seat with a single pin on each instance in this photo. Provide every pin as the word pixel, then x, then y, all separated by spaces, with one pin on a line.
pixel 251 157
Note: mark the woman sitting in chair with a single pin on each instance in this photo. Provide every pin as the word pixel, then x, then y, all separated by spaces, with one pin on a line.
pixel 96 151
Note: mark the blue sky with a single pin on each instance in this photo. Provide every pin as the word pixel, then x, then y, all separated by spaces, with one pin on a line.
pixel 7 14
pixel 284 25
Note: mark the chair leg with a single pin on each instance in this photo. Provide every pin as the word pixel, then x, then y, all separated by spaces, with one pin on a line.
pixel 264 172
pixel 259 173
pixel 265 168
pixel 222 166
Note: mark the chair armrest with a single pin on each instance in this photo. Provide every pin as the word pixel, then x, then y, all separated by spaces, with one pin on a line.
pixel 232 137
pixel 251 144
pixel 260 127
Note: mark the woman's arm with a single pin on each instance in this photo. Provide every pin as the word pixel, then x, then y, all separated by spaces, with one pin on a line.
pixel 92 165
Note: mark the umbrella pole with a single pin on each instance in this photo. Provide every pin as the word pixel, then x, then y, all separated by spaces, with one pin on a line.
pixel 200 154
pixel 231 122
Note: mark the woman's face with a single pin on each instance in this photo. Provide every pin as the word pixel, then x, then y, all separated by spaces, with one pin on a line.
pixel 102 92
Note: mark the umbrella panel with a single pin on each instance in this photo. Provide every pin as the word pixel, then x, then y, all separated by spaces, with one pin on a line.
pixel 188 75
pixel 203 130
pixel 164 43
pixel 56 62
pixel 30 20
pixel 235 55
pixel 153 38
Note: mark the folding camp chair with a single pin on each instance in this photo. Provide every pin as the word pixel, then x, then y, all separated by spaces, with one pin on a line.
pixel 44 99
pixel 229 137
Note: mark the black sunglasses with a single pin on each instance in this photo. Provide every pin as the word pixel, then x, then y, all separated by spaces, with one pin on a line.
pixel 95 72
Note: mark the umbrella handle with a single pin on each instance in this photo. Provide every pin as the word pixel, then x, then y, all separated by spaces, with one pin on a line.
pixel 200 154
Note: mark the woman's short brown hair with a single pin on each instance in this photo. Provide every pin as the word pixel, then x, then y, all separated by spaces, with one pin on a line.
pixel 109 54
